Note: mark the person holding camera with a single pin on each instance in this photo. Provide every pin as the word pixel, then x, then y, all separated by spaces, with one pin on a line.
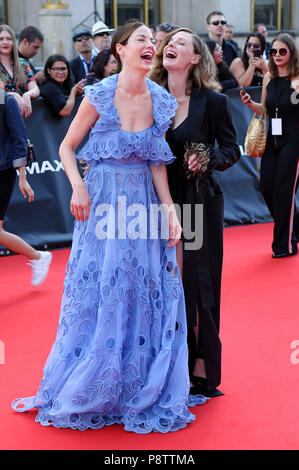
pixel 250 69
pixel 280 161
pixel 13 156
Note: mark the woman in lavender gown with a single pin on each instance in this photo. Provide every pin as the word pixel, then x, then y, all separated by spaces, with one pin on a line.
pixel 120 354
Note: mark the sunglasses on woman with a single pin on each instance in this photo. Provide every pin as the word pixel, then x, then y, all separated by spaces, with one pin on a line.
pixel 255 45
pixel 283 52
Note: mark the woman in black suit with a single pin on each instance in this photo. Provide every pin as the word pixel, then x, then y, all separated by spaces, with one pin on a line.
pixel 185 67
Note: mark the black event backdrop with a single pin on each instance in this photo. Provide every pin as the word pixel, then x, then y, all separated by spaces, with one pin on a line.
pixel 47 222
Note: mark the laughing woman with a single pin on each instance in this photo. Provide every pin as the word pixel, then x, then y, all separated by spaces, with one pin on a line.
pixel 121 353
pixel 185 66
pixel 280 162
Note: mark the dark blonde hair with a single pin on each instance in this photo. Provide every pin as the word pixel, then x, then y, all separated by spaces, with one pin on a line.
pixel 121 36
pixel 17 68
pixel 202 75
pixel 293 64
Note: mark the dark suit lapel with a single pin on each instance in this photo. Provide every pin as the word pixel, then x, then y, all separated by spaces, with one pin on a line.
pixel 198 102
pixel 82 69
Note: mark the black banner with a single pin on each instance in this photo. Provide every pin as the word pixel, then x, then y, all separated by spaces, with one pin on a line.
pixel 243 201
pixel 47 222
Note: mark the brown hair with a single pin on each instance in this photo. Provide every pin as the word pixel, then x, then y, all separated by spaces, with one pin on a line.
pixel 17 68
pixel 121 36
pixel 293 64
pixel 202 75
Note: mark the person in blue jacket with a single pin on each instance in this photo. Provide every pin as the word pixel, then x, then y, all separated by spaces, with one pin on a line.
pixel 13 156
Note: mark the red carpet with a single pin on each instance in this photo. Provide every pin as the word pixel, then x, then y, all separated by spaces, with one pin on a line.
pixel 260 321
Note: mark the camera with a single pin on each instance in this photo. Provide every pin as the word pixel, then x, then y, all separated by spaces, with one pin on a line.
pixel 257 53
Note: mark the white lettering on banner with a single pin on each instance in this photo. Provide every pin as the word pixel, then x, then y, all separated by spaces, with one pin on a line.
pixel 45 166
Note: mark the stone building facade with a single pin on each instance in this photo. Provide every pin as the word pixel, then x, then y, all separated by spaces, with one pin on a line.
pixel 59 18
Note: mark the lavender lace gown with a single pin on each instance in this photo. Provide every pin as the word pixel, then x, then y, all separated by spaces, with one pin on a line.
pixel 120 354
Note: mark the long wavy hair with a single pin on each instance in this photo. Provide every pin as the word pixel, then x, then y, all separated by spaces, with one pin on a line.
pixel 293 64
pixel 202 75
pixel 18 72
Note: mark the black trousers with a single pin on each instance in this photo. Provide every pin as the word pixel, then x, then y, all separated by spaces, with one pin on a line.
pixel 7 181
pixel 202 274
pixel 279 182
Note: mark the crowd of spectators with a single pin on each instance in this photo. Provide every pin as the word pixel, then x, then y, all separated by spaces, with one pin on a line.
pixel 62 79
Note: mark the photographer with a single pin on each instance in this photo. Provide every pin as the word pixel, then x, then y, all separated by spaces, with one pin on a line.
pixel 250 69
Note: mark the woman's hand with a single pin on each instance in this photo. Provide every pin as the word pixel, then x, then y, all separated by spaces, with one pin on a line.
pixel 246 98
pixel 24 186
pixel 198 162
pixel 79 88
pixel 80 203
pixel 251 61
pixel 174 227
pixel 193 164
pixel 27 107
pixel 261 64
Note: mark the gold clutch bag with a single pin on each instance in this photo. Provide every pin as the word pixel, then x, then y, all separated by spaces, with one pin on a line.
pixel 255 141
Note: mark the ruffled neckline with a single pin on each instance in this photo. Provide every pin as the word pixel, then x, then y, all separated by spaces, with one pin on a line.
pixel 102 95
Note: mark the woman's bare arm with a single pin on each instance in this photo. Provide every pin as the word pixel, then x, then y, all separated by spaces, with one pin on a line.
pixel 85 118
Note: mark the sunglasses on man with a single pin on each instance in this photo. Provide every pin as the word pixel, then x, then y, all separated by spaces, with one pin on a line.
pixel 217 22
pixel 282 52
pixel 82 38
pixel 101 34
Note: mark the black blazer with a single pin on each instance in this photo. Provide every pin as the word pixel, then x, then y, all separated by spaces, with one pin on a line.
pixel 77 69
pixel 209 121
pixel 211 117
pixel 229 52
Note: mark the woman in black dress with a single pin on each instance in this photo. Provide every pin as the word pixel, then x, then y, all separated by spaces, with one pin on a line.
pixel 185 67
pixel 279 164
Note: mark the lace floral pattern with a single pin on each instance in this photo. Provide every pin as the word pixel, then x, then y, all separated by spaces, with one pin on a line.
pixel 120 355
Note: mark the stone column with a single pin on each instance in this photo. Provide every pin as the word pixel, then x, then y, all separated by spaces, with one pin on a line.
pixel 55 24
